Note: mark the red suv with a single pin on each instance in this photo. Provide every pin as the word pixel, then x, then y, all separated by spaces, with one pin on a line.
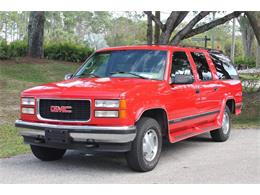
pixel 126 99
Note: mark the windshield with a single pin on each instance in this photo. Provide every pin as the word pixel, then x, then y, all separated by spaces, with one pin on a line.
pixel 145 64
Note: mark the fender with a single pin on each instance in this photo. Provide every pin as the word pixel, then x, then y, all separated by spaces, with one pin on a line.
pixel 140 112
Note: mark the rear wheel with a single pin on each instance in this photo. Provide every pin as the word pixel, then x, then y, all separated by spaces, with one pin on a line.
pixel 223 133
pixel 47 154
pixel 146 148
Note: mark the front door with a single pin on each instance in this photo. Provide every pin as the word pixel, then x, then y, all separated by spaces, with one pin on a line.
pixel 183 98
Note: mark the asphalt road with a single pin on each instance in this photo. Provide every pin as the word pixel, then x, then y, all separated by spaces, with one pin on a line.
pixel 197 160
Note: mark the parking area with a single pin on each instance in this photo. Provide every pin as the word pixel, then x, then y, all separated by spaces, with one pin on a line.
pixel 196 160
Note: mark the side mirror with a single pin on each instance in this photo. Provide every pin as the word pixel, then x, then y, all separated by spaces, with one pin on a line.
pixel 182 79
pixel 68 76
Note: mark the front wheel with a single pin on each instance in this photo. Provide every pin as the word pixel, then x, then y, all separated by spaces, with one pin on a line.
pixel 47 154
pixel 222 134
pixel 146 148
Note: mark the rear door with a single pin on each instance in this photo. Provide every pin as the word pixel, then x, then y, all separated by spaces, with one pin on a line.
pixel 210 100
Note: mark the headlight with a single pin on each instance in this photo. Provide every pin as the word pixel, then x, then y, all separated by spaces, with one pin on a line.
pixel 28 101
pixel 107 103
pixel 106 113
pixel 28 110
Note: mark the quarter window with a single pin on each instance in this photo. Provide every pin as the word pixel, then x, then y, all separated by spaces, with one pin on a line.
pixel 225 69
pixel 202 66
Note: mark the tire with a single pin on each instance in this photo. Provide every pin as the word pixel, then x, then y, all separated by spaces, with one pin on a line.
pixel 141 157
pixel 47 154
pixel 222 134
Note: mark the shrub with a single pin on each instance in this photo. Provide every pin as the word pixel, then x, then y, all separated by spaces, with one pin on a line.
pixel 66 51
pixel 12 50
pixel 18 49
pixel 3 50
pixel 250 62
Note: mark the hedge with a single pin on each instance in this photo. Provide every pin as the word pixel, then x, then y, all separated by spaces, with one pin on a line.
pixel 65 51
pixel 249 62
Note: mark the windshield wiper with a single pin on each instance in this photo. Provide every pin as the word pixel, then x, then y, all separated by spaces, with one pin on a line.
pixel 88 74
pixel 131 73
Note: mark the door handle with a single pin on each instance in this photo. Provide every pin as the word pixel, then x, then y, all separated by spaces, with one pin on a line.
pixel 215 88
pixel 197 91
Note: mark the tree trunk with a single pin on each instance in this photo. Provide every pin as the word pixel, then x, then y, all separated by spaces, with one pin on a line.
pixel 36 34
pixel 254 19
pixel 233 43
pixel 6 28
pixel 157 28
pixel 247 35
pixel 149 28
pixel 258 55
pixel 169 27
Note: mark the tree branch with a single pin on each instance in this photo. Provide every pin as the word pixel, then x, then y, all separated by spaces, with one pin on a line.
pixel 180 35
pixel 180 18
pixel 155 19
pixel 211 25
pixel 172 22
pixel 168 27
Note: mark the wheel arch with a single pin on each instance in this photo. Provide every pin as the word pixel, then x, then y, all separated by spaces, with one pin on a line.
pixel 230 103
pixel 159 114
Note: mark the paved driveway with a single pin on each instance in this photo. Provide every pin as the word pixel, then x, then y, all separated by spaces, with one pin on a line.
pixel 197 160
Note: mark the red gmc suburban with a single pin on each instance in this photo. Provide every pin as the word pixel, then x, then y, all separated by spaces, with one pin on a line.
pixel 127 99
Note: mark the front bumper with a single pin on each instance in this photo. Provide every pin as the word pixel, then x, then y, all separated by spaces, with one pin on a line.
pixel 94 134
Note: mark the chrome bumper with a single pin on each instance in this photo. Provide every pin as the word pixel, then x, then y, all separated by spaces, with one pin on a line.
pixel 104 134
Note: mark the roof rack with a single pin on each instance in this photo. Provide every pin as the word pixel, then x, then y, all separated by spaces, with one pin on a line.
pixel 191 46
pixel 208 49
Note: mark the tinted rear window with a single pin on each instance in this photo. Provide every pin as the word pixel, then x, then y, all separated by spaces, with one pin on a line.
pixel 224 66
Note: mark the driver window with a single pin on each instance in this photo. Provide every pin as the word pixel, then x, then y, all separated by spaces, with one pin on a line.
pixel 180 64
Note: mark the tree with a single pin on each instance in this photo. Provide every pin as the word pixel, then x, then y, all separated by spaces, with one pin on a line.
pixel 126 31
pixel 247 35
pixel 254 19
pixel 149 28
pixel 36 34
pixel 157 28
pixel 190 29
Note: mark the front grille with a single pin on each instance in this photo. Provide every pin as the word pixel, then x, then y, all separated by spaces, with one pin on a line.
pixel 80 110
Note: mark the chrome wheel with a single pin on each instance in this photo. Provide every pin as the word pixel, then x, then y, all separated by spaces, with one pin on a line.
pixel 225 123
pixel 150 145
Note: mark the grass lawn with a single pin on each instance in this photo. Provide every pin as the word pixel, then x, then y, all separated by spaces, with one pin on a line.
pixel 18 75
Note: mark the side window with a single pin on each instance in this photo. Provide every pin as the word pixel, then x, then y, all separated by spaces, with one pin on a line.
pixel 225 69
pixel 202 66
pixel 180 64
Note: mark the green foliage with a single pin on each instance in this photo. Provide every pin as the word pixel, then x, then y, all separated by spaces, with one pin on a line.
pixel 12 50
pixel 249 118
pixel 66 51
pixel 18 49
pixel 125 31
pixel 3 50
pixel 250 62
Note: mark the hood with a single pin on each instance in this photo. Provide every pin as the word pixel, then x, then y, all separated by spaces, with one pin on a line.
pixel 90 87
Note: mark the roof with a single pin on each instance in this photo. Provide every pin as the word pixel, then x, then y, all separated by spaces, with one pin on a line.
pixel 158 47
